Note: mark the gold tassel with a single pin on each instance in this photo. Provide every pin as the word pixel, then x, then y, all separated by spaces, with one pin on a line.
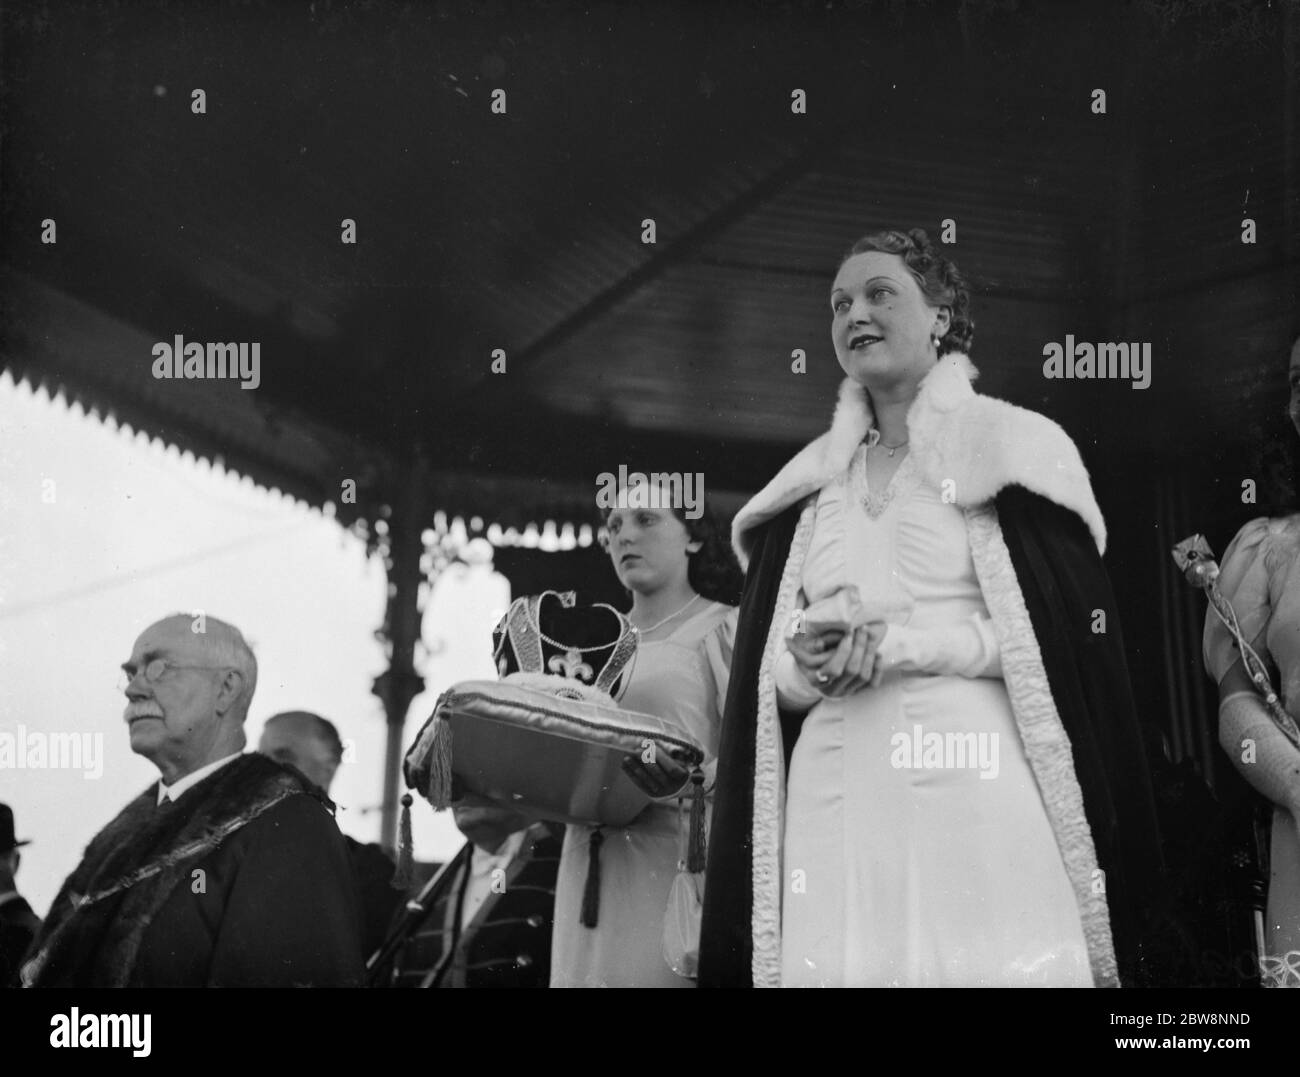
pixel 591 892
pixel 440 765
pixel 697 847
pixel 405 872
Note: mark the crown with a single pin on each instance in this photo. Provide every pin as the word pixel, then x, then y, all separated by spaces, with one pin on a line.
pixel 552 636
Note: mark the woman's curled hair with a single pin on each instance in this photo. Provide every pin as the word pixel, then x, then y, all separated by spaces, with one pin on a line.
pixel 712 571
pixel 939 279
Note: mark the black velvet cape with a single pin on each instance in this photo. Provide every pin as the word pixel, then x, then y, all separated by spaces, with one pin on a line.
pixel 1063 581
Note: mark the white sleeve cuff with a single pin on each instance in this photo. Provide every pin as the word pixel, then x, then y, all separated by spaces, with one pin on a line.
pixel 968 649
pixel 793 691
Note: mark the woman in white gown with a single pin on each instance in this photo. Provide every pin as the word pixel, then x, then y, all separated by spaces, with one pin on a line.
pixel 1260 576
pixel 888 824
pixel 676 569
pixel 967 801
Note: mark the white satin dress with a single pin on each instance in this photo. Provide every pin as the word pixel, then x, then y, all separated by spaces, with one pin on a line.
pixel 929 868
pixel 1261 578
pixel 682 678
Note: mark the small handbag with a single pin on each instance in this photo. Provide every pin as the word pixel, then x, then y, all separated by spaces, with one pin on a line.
pixel 685 908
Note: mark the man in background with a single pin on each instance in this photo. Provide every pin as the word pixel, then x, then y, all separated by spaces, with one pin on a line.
pixel 487 919
pixel 18 924
pixel 229 871
pixel 311 743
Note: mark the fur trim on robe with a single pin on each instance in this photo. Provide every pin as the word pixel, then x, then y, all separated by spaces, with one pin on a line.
pixel 133 865
pixel 980 445
pixel 977 443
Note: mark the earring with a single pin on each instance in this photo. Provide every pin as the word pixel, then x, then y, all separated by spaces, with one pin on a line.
pixel 935 341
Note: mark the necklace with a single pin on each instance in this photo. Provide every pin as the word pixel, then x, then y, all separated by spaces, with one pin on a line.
pixel 905 479
pixel 657 624
pixel 873 439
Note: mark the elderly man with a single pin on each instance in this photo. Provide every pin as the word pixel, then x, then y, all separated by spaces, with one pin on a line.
pixel 312 744
pixel 230 871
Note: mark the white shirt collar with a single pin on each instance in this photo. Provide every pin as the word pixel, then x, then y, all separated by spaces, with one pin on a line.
pixel 482 863
pixel 173 792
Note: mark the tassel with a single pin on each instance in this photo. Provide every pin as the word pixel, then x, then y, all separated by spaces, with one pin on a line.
pixel 440 765
pixel 697 847
pixel 591 893
pixel 405 872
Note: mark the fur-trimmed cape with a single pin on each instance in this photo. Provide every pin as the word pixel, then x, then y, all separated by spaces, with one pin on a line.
pixel 964 442
pixel 1036 537
pixel 243 881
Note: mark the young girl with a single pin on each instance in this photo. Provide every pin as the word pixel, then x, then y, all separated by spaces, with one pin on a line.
pixel 684 581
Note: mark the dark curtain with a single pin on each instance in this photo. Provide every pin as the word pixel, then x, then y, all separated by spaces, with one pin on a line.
pixel 586 570
pixel 1208 815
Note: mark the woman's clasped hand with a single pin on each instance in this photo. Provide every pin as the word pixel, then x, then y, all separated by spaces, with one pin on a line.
pixel 838 663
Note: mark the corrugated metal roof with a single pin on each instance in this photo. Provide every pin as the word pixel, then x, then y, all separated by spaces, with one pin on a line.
pixel 522 231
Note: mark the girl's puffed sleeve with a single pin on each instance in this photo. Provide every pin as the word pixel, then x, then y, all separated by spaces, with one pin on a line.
pixel 1243 581
pixel 717 650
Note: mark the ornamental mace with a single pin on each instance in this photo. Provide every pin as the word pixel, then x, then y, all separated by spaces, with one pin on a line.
pixel 1196 560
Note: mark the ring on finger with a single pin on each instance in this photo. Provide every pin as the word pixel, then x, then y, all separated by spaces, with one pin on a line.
pixel 823 678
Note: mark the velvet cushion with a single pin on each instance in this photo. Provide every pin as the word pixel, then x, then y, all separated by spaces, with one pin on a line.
pixel 553 756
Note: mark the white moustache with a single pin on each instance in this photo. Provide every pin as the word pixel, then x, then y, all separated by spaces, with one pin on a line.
pixel 144 708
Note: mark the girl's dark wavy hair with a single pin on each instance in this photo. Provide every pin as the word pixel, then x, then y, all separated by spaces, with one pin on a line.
pixel 713 570
pixel 1278 458
pixel 939 279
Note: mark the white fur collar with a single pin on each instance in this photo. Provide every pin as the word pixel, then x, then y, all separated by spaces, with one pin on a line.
pixel 977 443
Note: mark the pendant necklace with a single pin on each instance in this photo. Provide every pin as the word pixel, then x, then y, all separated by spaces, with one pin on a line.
pixel 873 439
pixel 892 448
pixel 657 624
